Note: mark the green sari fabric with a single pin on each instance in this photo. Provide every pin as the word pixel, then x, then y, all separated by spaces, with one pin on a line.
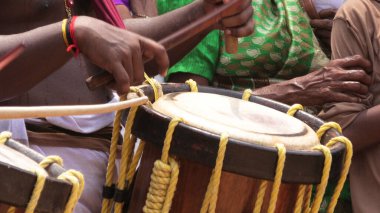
pixel 282 47
pixel 203 58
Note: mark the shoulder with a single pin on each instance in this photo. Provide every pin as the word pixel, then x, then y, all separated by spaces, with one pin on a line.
pixel 358 9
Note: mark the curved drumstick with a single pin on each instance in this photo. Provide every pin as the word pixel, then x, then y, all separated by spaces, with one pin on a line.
pixel 12 55
pixel 174 39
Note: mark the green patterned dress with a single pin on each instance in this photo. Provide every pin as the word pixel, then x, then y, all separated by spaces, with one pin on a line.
pixel 282 47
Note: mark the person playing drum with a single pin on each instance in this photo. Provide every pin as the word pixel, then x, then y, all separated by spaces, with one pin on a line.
pixel 357 31
pixel 46 74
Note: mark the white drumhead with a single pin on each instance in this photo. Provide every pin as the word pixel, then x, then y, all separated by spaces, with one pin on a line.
pixel 12 157
pixel 242 120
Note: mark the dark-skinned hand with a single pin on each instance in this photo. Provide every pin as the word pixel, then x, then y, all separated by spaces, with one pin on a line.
pixel 322 27
pixel 118 51
pixel 342 80
pixel 238 22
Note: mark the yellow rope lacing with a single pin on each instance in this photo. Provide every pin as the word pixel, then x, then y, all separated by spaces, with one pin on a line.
pixel 345 170
pixel 36 194
pixel 127 151
pixel 156 86
pixel 326 126
pixel 260 196
pixel 247 94
pixel 277 179
pixel 211 197
pixel 346 164
pixel 47 161
pixel 39 185
pixel 309 190
pixel 5 136
pixel 281 151
pixel 74 177
pixel 193 85
pixel 11 209
pixel 107 203
pixel 294 108
pixel 77 180
pixel 135 161
pixel 164 177
pixel 321 188
pixel 300 198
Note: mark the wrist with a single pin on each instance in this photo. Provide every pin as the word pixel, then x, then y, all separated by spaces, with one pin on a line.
pixel 69 35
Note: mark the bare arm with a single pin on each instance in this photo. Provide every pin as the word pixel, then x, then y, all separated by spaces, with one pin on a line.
pixel 36 62
pixel 342 80
pixel 118 51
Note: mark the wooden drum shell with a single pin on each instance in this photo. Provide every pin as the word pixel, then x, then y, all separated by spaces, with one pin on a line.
pixel 17 184
pixel 244 165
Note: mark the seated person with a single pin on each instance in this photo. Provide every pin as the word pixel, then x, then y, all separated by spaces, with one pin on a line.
pixel 278 62
pixel 357 31
pixel 46 74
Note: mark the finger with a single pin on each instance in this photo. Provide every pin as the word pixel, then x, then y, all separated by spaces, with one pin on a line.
pixel 355 61
pixel 121 78
pixel 244 5
pixel 153 50
pixel 343 97
pixel 242 31
pixel 325 24
pixel 138 67
pixel 350 87
pixel 238 19
pixel 327 13
pixel 350 75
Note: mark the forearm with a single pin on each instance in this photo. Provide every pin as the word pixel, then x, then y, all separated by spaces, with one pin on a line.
pixel 44 53
pixel 364 130
pixel 161 26
pixel 285 92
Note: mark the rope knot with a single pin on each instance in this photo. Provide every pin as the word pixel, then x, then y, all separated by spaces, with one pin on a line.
pixel 193 85
pixel 247 94
pixel 5 136
pixel 162 187
pixel 294 108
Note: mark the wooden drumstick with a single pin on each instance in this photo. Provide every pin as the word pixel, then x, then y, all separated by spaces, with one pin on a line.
pixel 174 39
pixel 230 41
pixel 12 55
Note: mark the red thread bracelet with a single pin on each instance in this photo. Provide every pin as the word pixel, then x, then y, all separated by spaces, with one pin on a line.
pixel 74 46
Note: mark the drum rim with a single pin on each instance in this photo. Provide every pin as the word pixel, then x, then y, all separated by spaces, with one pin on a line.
pixel 293 171
pixel 17 186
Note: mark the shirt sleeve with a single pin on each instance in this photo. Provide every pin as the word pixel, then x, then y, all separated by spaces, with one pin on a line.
pixel 346 40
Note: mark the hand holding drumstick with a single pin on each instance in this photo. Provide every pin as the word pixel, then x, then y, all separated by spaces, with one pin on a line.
pixel 218 16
